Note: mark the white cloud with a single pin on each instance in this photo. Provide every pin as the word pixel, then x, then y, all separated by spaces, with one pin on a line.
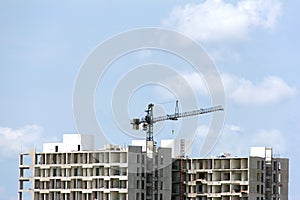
pixel 234 128
pixel 215 20
pixel 271 89
pixel 13 141
pixel 238 142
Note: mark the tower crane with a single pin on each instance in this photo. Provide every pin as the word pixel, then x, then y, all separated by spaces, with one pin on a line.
pixel 147 123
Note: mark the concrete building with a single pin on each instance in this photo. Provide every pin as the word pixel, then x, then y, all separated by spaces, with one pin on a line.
pixel 257 177
pixel 73 170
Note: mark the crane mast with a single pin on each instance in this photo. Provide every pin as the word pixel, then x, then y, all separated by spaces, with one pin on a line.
pixel 147 123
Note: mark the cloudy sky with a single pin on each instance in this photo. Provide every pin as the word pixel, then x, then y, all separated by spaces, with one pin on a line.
pixel 253 43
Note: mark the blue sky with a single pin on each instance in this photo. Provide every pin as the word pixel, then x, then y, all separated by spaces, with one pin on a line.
pixel 254 45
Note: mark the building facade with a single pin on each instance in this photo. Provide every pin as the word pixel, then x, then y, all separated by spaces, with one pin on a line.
pixel 73 170
pixel 257 177
pixel 65 171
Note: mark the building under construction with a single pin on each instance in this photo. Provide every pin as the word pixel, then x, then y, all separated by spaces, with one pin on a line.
pixel 73 170
pixel 257 177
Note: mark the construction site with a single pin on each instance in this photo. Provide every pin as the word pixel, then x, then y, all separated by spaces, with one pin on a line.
pixel 74 170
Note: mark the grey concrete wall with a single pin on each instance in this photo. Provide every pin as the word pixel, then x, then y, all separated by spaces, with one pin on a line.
pixel 133 175
pixel 284 178
pixel 166 166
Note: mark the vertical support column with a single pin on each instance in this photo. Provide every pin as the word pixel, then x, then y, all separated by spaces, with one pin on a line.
pixel 32 167
pixel 21 172
pixel 149 177
pixel 181 178
pixel 150 149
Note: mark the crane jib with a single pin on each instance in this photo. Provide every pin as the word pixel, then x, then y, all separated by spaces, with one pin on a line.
pixel 150 120
pixel 186 114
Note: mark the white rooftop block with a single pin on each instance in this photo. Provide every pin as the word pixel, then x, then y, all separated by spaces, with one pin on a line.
pixel 54 147
pixel 71 142
pixel 263 152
